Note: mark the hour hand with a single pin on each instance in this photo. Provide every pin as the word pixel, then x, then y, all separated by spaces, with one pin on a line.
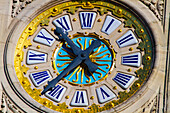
pixel 91 66
pixel 63 35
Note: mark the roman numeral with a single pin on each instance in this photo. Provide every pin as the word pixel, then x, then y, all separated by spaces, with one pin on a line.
pixel 35 57
pixel 63 22
pixel 87 19
pixel 132 59
pixel 57 93
pixel 44 37
pixel 104 94
pixel 127 39
pixel 123 80
pixel 110 25
pixel 39 78
pixel 79 99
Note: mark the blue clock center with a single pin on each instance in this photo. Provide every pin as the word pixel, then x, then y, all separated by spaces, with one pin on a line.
pixel 101 56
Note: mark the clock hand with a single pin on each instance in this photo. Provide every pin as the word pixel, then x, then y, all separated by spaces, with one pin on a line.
pixel 95 44
pixel 76 50
pixel 53 82
pixel 91 66
pixel 63 35
pixel 82 56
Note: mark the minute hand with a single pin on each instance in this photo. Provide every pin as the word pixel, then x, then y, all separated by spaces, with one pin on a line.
pixel 71 66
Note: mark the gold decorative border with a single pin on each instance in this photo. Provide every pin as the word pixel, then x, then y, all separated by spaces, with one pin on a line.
pixel 71 7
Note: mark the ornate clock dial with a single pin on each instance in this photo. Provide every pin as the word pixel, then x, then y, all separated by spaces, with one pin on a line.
pixel 123 59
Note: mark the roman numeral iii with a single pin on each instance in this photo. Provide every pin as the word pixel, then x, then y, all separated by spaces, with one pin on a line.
pixel 132 59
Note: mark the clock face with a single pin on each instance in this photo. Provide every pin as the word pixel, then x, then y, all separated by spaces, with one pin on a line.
pixel 124 58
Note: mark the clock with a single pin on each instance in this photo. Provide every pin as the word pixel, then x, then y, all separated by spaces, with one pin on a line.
pixel 84 56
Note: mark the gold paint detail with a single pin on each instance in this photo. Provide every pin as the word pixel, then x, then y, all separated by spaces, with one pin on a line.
pixel 78 41
pixel 59 54
pixel 99 50
pixel 38 47
pixel 107 65
pixel 74 19
pixel 120 30
pixel 27 43
pixel 30 28
pixel 101 36
pixel 77 75
pixel 78 111
pixel 65 59
pixel 101 69
pixel 55 9
pixel 58 65
pixel 24 69
pixel 36 67
pixel 74 72
pixel 107 54
pixel 99 20
pixel 137 84
pixel 69 53
pixel 112 104
pixel 119 11
pixel 52 29
pixel 69 36
pixel 131 49
pixel 148 58
pixel 92 97
pixel 89 79
pixel 67 97
pixel 99 74
pixel 141 30
pixel 90 41
pixel 45 22
pixel 115 87
pixel 82 75
pixel 129 70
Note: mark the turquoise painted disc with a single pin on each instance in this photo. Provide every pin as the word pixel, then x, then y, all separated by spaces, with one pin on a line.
pixel 102 56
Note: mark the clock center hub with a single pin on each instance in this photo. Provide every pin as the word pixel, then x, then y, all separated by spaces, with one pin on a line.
pixel 83 55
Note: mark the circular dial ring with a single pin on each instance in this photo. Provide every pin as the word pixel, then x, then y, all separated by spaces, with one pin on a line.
pixel 103 7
